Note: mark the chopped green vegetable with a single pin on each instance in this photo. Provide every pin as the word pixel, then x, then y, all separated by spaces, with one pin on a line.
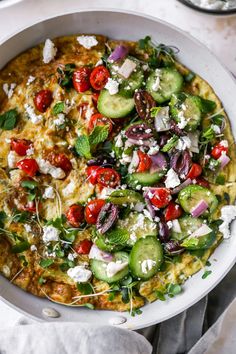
pixel 29 184
pixel 20 247
pixel 82 146
pixel 45 263
pixel 171 143
pixel 98 135
pixel 58 108
pixel 85 288
pixel 173 289
pixel 206 274
pixel 8 119
pixel 160 295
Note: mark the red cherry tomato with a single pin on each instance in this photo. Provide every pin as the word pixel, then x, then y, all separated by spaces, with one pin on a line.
pixel 20 146
pixel 107 177
pixel 161 197
pixel 99 77
pixel 60 160
pixel 173 211
pixel 84 247
pixel 30 206
pixel 81 81
pixel 144 162
pixel 218 150
pixel 75 215
pixel 92 210
pixel 95 96
pixel 92 174
pixel 43 100
pixel 202 182
pixel 194 171
pixel 99 119
pixel 29 166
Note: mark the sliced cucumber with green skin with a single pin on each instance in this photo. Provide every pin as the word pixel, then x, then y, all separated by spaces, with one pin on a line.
pixel 189 107
pixel 144 178
pixel 190 196
pixel 146 257
pixel 114 106
pixel 188 225
pixel 99 268
pixel 125 196
pixel 199 243
pixel 171 81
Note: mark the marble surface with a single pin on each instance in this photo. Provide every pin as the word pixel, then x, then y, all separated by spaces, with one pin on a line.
pixel 217 33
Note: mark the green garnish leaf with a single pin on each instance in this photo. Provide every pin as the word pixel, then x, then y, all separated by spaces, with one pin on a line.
pixel 29 184
pixel 65 75
pixel 207 135
pixel 85 288
pixel 23 260
pixel 82 146
pixel 155 111
pixel 20 216
pixel 20 247
pixel 189 77
pixel 227 197
pixel 41 281
pixel 190 242
pixel 8 119
pixel 125 295
pixel 220 180
pixel 173 289
pixel 117 236
pixel 58 108
pixel 207 106
pixel 98 135
pixel 89 306
pixel 144 43
pixel 206 274
pixel 3 217
pixel 45 263
pixel 160 295
pixel 171 143
pixel 136 312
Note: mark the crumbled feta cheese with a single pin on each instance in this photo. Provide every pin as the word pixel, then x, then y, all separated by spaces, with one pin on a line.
pixel 69 189
pixel 156 84
pixel 216 128
pixel 224 143
pixel 153 150
pixel 33 248
pixel 127 68
pixel 133 237
pixel 9 89
pixel 46 168
pixel 35 119
pixel 228 214
pixel 139 206
pixel 147 265
pixel 49 193
pixel 183 122
pixel 118 141
pixel 89 112
pixel 125 159
pixel 30 80
pixel 147 214
pixel 156 219
pixel 87 41
pixel 112 86
pixel 49 51
pixel 27 228
pixel 115 267
pixel 134 162
pixel 183 143
pixel 145 67
pixel 60 119
pixel 30 151
pixel 71 256
pixel 12 159
pixel 50 233
pixel 8 141
pixel 172 179
pixel 99 62
pixel 106 192
pixel 79 274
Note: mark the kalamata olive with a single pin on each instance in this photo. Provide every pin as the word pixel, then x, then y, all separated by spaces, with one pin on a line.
pixel 106 217
pixel 180 161
pixel 163 139
pixel 139 132
pixel 144 102
pixel 102 160
pixel 173 247
pixel 175 129
pixel 164 232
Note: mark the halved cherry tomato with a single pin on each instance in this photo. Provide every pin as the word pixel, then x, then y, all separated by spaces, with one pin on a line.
pixel 92 174
pixel 99 77
pixel 144 162
pixel 20 146
pixel 173 211
pixel 81 81
pixel 92 210
pixel 95 96
pixel 60 160
pixel 84 247
pixel 194 171
pixel 29 166
pixel 43 100
pixel 75 215
pixel 99 119
pixel 107 177
pixel 218 150
pixel 202 182
pixel 161 197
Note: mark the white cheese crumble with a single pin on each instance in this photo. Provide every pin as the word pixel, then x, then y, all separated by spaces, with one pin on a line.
pixel 9 89
pixel 69 189
pixel 49 193
pixel 35 119
pixel 119 141
pixel 183 122
pixel 127 68
pixel 60 119
pixel 89 112
pixel 30 80
pixel 153 150
pixel 139 206
pixel 49 51
pixel 27 228
pixel 172 179
pixel 112 86
pixel 156 84
pixel 224 143
pixel 99 62
pixel 72 256
pixel 30 151
pixel 33 248
pixel 50 233
pixel 46 168
pixel 115 267
pixel 147 265
pixel 87 41
pixel 12 159
pixel 79 274
pixel 228 214
pixel 216 128
pixel 106 192
pixel 183 143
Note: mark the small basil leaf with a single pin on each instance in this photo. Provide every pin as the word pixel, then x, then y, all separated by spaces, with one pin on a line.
pixel 8 119
pixel 58 108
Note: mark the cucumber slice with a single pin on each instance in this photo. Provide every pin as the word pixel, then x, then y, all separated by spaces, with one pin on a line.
pixel 171 82
pixel 188 225
pixel 125 196
pixel 199 243
pixel 146 257
pixel 114 106
pixel 190 196
pixel 99 268
pixel 144 178
pixel 188 107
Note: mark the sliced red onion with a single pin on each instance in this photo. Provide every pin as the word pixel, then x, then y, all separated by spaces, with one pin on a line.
pixel 164 232
pixel 139 132
pixel 159 161
pixel 96 253
pixel 150 208
pixel 162 120
pixel 163 139
pixel 106 217
pixel 134 162
pixel 173 248
pixel 118 53
pixel 199 209
pixel 202 231
pixel 224 160
pixel 182 186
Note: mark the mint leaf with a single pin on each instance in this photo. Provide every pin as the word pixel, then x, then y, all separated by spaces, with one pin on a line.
pixel 45 263
pixel 117 236
pixel 206 274
pixel 173 289
pixel 58 108
pixel 82 146
pixel 8 119
pixel 98 135
pixel 85 288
